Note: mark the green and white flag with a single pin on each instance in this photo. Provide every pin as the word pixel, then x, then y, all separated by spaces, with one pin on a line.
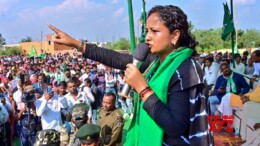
pixel 228 24
pixel 32 52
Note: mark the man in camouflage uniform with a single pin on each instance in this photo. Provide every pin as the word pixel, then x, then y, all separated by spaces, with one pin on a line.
pixel 48 137
pixel 79 113
pixel 111 121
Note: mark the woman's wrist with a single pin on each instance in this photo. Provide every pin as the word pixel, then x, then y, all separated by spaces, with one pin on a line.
pixel 147 95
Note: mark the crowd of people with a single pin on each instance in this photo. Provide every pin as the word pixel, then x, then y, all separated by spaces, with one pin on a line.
pixel 50 87
pixel 61 81
pixel 229 84
pixel 68 99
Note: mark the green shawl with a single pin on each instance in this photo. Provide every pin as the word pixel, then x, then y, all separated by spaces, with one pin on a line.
pixel 231 86
pixel 143 130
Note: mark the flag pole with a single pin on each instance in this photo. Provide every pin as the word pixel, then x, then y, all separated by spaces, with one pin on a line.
pixel 143 17
pixel 232 35
pixel 131 25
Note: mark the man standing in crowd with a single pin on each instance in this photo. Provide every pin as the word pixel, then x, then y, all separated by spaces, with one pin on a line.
pixel 74 97
pixel 27 127
pixel 68 130
pixel 48 108
pixel 111 121
pixel 211 72
pixel 256 59
pixel 110 81
pixel 239 66
pixel 39 85
pixel 89 135
pixel 62 87
pixel 126 104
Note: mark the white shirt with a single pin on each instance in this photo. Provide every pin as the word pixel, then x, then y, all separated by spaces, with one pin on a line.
pixel 257 69
pixel 110 80
pixel 81 98
pixel 120 80
pixel 239 68
pixel 211 74
pixel 49 111
pixel 18 99
pixel 87 90
pixel 83 77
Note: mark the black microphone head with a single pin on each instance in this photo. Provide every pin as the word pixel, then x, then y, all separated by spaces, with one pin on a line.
pixel 141 52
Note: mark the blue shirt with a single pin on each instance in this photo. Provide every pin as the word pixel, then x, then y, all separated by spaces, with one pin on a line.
pixel 241 85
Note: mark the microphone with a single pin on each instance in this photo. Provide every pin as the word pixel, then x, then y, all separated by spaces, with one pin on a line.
pixel 140 54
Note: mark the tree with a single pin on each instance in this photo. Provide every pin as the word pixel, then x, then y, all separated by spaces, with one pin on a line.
pixel 210 39
pixel 11 51
pixel 122 44
pixel 27 39
pixel 2 40
pixel 109 45
pixel 251 38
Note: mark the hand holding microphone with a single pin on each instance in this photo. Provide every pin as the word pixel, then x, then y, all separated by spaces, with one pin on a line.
pixel 133 76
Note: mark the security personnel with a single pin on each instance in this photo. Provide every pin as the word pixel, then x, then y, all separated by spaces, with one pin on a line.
pixel 79 113
pixel 111 121
pixel 48 137
pixel 89 135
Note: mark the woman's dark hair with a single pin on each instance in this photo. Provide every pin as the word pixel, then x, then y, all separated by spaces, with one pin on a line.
pixel 174 18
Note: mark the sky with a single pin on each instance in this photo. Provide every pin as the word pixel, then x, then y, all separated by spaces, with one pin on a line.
pixel 107 20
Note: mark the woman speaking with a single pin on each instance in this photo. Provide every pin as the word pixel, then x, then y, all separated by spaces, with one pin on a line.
pixel 172 105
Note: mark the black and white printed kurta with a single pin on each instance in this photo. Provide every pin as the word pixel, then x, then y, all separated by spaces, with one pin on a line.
pixel 184 117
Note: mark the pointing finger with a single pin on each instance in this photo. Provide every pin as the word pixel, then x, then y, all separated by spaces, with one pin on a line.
pixel 56 30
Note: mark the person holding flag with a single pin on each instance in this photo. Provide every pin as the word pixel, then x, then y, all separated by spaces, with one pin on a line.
pixel 171 107
pixel 32 52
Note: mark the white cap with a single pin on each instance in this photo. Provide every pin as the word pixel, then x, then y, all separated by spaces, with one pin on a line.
pixel 202 55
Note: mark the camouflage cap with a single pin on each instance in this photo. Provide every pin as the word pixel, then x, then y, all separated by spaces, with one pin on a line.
pixel 88 133
pixel 48 137
pixel 79 111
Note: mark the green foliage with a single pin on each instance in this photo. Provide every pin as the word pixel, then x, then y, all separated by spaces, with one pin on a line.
pixel 250 38
pixel 109 45
pixel 27 39
pixel 122 44
pixel 10 51
pixel 210 39
pixel 2 40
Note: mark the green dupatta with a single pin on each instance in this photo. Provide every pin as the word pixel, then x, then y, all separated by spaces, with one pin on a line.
pixel 143 130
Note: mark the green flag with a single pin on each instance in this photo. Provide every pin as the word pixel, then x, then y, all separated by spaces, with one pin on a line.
pixel 228 25
pixel 43 56
pixel 32 52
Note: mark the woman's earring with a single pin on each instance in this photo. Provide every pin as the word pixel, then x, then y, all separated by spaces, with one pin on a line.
pixel 173 43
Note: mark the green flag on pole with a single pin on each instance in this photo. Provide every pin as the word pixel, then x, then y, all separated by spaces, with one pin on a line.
pixel 32 52
pixel 43 56
pixel 228 25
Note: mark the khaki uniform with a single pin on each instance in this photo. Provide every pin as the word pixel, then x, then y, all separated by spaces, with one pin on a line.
pixel 66 139
pixel 114 121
